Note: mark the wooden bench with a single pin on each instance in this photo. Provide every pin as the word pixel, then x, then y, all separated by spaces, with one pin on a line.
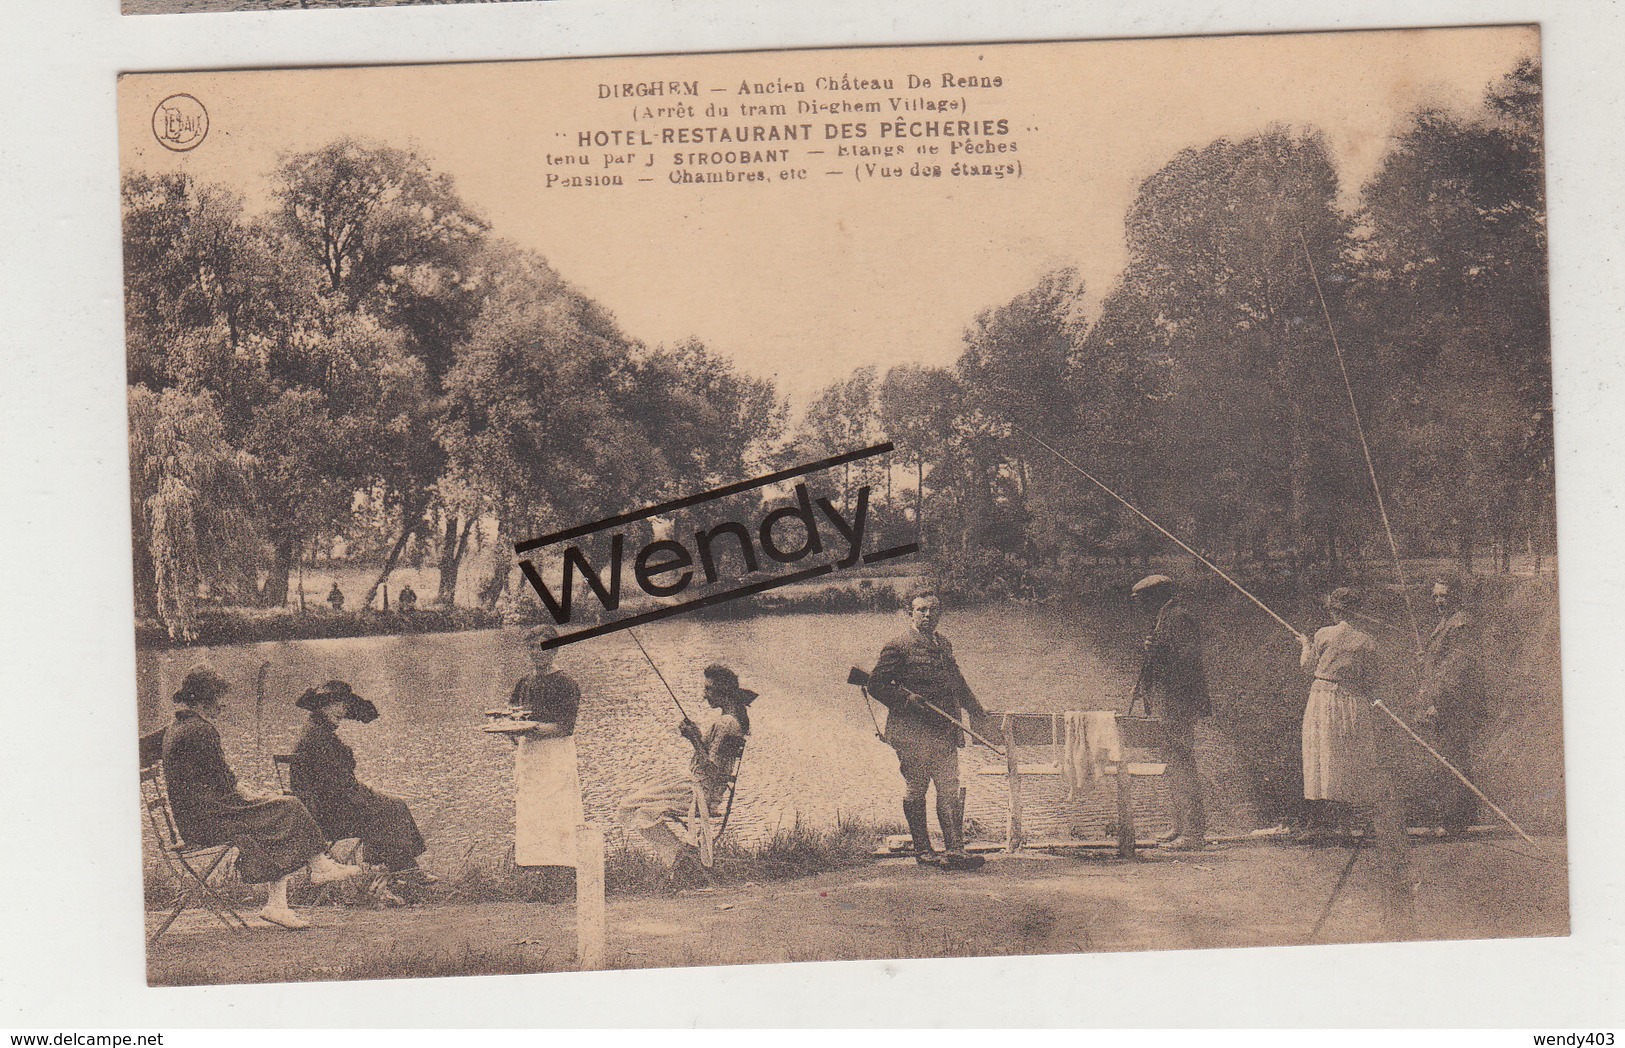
pixel 1045 729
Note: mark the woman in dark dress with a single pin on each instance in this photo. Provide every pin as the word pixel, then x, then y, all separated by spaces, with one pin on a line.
pixel 275 837
pixel 323 777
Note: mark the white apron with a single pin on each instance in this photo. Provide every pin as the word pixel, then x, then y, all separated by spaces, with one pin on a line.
pixel 547 802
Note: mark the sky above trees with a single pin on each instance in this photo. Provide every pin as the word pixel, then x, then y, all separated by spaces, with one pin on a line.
pixel 800 282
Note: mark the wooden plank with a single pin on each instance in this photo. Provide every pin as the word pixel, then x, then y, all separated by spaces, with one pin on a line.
pixel 1125 816
pixel 1012 771
pixel 589 897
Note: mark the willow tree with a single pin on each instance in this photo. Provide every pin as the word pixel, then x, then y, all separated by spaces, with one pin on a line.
pixel 190 507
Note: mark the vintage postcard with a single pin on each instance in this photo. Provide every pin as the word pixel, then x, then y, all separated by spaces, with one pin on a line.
pixel 867 503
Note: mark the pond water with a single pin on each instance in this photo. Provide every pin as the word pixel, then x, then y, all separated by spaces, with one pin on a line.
pixel 812 754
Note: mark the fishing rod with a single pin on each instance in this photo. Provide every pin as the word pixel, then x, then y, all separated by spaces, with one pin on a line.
pixel 1359 428
pixel 1393 547
pixel 259 704
pixel 1175 538
pixel 1465 781
pixel 631 633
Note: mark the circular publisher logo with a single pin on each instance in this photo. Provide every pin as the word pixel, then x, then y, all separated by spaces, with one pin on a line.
pixel 180 123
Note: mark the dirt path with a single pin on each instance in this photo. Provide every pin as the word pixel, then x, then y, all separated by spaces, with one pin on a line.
pixel 1237 896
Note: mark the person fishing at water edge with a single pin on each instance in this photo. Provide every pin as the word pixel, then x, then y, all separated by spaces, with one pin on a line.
pixel 1453 697
pixel 915 668
pixel 1347 755
pixel 648 811
pixel 1172 674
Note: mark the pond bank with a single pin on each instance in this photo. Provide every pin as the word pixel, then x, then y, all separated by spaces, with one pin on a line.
pixel 1243 895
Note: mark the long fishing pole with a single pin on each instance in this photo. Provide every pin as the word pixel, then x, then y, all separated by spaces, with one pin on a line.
pixel 259 704
pixel 1175 538
pixel 1359 428
pixel 1465 781
pixel 631 633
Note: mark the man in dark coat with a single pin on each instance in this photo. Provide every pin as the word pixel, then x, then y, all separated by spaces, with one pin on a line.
pixel 1453 697
pixel 275 837
pixel 1176 689
pixel 323 777
pixel 916 668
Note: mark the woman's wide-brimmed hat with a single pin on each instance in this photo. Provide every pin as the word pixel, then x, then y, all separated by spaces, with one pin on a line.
pixel 334 691
pixel 729 680
pixel 201 684
pixel 1344 598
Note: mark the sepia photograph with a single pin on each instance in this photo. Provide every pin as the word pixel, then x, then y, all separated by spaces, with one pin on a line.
pixel 864 503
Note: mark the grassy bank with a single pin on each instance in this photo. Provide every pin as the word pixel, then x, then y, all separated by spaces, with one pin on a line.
pixel 800 850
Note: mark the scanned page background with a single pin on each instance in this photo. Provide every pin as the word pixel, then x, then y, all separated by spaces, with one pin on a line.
pixel 68 436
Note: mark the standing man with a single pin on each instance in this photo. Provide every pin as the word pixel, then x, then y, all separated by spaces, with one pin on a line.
pixel 915 669
pixel 1172 673
pixel 1452 697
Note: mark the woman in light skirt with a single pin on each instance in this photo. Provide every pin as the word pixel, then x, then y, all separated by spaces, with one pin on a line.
pixel 1339 733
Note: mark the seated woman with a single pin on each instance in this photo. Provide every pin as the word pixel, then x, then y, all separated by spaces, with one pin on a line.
pixel 648 810
pixel 323 777
pixel 275 837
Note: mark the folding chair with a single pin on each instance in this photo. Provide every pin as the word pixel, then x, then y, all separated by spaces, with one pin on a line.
pixel 703 827
pixel 190 866
pixel 347 850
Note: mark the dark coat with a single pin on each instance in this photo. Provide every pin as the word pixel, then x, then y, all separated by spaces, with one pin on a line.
pixel 274 837
pixel 913 663
pixel 1172 671
pixel 322 776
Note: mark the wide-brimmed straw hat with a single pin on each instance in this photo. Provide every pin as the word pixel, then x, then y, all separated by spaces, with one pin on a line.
pixel 336 691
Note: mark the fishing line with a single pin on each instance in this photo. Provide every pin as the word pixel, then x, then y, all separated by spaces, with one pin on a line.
pixel 1359 428
pixel 1177 541
pixel 662 676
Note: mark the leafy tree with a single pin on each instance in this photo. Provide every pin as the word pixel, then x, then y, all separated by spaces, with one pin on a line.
pixel 915 408
pixel 1228 307
pixel 535 423
pixel 191 507
pixel 1453 290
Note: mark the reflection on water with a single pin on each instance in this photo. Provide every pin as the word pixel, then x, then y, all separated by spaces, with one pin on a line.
pixel 812 750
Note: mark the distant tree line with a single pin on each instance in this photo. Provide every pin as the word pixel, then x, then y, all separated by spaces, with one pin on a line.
pixel 364 359
pixel 1207 390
